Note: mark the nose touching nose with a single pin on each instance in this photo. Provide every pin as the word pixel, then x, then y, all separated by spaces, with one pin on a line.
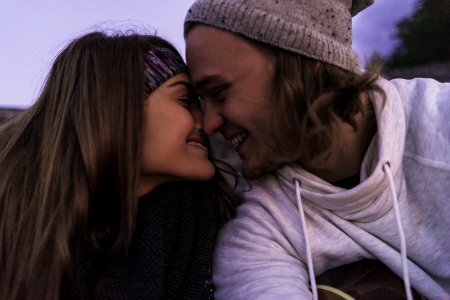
pixel 212 119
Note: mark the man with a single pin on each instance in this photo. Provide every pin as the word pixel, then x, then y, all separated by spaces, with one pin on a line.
pixel 344 165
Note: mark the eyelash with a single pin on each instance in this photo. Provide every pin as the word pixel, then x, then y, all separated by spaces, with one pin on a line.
pixel 191 100
pixel 215 94
pixel 216 91
pixel 185 100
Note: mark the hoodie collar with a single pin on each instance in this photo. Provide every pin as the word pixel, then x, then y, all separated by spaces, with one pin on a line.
pixel 370 199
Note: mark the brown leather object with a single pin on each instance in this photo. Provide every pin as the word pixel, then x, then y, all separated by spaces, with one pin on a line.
pixel 365 279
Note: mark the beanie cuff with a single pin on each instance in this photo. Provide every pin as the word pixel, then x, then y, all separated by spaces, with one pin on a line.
pixel 264 27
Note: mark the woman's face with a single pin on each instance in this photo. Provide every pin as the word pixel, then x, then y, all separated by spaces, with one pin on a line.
pixel 174 146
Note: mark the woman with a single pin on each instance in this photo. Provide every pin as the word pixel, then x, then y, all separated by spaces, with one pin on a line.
pixel 107 186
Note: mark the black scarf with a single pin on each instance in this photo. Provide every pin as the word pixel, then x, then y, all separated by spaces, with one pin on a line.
pixel 169 256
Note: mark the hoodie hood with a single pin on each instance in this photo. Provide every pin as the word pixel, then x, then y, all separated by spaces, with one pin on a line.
pixel 369 200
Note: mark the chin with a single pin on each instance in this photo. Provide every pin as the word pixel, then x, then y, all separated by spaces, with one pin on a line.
pixel 253 171
pixel 204 174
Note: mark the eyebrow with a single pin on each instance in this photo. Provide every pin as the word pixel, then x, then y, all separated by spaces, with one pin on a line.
pixel 184 83
pixel 181 82
pixel 207 80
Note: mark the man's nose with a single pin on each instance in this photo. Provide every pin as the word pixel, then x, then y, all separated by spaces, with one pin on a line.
pixel 213 119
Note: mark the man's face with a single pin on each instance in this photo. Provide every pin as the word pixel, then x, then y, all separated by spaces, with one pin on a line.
pixel 235 79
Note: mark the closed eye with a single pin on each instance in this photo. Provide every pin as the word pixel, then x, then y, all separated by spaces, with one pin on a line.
pixel 216 94
pixel 186 101
pixel 191 102
pixel 217 91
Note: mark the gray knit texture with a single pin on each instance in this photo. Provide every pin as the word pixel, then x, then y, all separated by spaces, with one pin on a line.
pixel 319 29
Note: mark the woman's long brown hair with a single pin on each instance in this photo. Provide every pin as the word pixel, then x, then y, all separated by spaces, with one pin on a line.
pixel 69 164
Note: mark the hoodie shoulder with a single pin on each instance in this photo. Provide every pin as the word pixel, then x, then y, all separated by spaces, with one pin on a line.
pixel 427 110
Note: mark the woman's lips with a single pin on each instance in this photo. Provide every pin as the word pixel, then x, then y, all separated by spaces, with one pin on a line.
pixel 199 142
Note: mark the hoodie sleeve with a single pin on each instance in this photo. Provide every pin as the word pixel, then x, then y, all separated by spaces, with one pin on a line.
pixel 255 259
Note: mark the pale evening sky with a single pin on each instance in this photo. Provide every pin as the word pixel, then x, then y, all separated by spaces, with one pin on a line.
pixel 33 32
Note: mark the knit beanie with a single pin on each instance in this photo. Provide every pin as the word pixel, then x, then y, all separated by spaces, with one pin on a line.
pixel 160 64
pixel 319 29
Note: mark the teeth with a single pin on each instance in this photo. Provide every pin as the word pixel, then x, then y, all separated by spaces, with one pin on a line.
pixel 237 139
pixel 196 144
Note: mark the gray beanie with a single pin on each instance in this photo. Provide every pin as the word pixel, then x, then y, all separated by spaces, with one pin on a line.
pixel 319 29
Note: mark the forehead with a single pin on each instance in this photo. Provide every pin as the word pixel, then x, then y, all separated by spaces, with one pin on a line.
pixel 204 40
pixel 177 83
pixel 202 34
pixel 211 52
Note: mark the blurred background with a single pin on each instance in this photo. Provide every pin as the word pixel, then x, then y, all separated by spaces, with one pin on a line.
pixel 412 36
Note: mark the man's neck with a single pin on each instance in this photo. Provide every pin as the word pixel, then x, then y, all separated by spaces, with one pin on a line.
pixel 348 149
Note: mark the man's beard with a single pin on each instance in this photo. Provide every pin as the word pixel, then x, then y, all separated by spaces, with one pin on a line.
pixel 273 150
pixel 266 160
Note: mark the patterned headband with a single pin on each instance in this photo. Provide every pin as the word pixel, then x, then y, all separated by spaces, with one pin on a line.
pixel 160 65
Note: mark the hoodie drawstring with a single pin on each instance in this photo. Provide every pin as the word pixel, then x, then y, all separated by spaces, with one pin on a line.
pixel 312 277
pixel 387 171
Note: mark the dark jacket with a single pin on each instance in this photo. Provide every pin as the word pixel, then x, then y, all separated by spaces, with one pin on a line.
pixel 169 256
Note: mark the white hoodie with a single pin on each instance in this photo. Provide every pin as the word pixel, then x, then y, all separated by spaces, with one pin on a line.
pixel 263 252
